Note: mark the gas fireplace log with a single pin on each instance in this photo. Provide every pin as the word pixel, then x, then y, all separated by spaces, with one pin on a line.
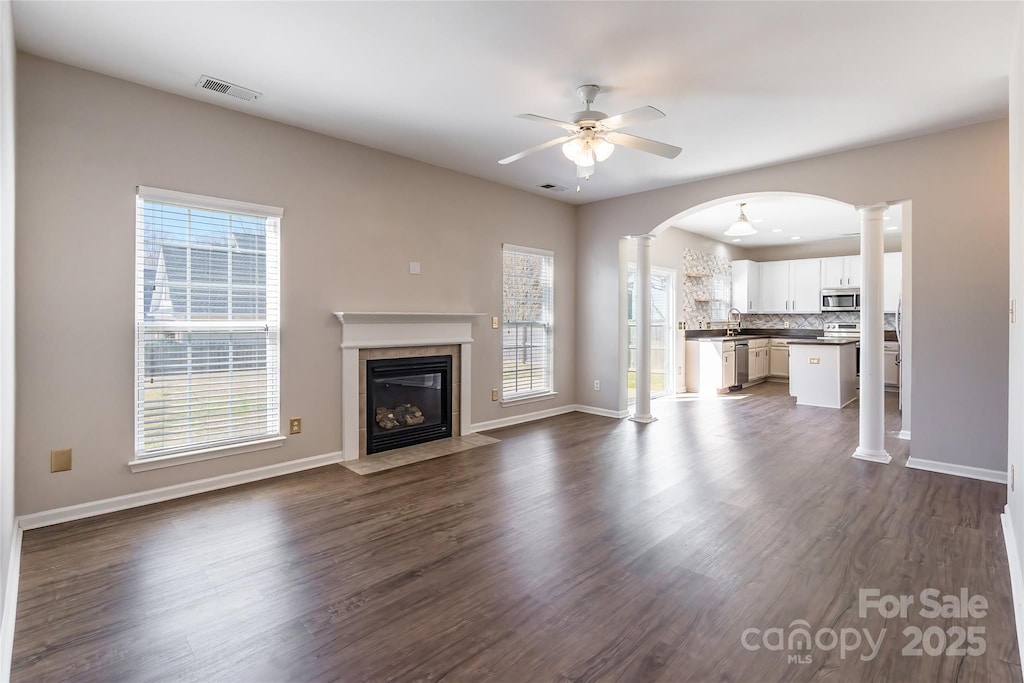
pixel 405 415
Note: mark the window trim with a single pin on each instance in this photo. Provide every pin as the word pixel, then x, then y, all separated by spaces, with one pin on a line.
pixel 550 391
pixel 209 451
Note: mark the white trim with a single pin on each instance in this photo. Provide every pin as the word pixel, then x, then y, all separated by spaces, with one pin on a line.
pixel 872 456
pixel 156 194
pixel 1016 578
pixel 172 459
pixel 998 476
pixel 529 398
pixel 903 434
pixel 133 500
pixel 386 317
pixel 527 250
pixel 10 610
pixel 390 343
pixel 520 419
pixel 602 412
pixel 544 414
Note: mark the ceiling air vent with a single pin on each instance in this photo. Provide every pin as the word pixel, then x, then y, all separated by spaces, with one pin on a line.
pixel 225 88
pixel 552 187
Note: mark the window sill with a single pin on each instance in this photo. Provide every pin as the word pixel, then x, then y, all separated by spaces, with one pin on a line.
pixel 162 461
pixel 532 398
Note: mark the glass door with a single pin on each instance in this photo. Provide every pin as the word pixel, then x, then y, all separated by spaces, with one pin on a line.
pixel 662 338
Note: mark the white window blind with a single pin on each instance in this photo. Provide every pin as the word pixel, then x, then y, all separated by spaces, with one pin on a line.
pixel 207 315
pixel 527 312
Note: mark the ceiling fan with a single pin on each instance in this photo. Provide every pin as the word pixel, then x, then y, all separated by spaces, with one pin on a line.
pixel 591 136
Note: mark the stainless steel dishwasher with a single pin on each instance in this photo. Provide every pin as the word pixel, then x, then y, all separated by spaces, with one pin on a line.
pixel 742 362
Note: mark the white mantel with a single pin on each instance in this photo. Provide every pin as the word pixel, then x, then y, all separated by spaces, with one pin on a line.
pixel 368 330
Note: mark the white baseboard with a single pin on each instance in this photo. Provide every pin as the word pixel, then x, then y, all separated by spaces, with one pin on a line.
pixel 132 500
pixel 1016 578
pixel 543 414
pixel 602 412
pixel 10 609
pixel 903 434
pixel 520 419
pixel 998 476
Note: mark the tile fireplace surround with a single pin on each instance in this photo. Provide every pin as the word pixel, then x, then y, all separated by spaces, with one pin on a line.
pixel 378 335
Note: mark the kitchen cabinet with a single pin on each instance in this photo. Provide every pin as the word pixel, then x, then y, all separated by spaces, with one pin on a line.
pixel 760 359
pixel 893 287
pixel 779 364
pixel 710 365
pixel 746 286
pixel 892 368
pixel 791 286
pixel 728 369
pixel 840 271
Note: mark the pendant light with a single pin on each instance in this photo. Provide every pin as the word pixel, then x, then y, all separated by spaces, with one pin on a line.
pixel 742 226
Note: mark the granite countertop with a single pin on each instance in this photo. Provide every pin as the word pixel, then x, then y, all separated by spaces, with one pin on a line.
pixel 837 341
pixel 767 333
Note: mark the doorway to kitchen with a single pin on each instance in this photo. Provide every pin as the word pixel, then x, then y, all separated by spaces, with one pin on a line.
pixel 663 287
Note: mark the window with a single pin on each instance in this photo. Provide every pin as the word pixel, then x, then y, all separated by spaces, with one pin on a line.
pixel 207 317
pixel 662 336
pixel 526 346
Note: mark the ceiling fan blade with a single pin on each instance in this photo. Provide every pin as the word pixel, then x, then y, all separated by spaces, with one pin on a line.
pixel 643 144
pixel 549 143
pixel 632 117
pixel 571 127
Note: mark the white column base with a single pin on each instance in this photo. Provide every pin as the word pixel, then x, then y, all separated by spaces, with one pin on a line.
pixel 646 419
pixel 872 456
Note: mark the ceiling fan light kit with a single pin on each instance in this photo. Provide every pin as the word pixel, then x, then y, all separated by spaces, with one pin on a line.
pixel 593 135
pixel 742 227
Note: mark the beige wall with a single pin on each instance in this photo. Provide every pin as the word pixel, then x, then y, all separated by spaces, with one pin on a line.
pixel 957 181
pixel 354 218
pixel 7 289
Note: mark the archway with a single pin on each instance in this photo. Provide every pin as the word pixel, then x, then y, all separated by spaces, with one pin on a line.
pixel 822 243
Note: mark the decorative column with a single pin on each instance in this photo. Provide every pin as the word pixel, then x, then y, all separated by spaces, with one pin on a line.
pixel 642 407
pixel 872 337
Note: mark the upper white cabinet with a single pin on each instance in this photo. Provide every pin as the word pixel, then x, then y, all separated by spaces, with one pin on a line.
pixel 806 285
pixel 746 286
pixel 791 286
pixel 840 271
pixel 892 289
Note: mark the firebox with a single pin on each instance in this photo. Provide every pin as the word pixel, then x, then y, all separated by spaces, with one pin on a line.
pixel 408 401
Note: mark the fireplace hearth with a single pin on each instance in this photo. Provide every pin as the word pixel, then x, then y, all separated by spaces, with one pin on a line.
pixel 408 401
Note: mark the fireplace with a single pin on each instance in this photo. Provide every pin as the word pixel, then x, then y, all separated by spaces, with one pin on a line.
pixel 408 401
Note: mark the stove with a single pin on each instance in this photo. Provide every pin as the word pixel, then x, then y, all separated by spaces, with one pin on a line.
pixel 841 331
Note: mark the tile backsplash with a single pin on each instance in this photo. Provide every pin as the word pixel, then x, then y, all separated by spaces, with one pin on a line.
pixel 813 321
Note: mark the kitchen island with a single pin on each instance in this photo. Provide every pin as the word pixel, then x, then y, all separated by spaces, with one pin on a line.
pixel 823 372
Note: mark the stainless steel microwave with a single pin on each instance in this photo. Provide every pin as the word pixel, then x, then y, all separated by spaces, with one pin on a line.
pixel 840 299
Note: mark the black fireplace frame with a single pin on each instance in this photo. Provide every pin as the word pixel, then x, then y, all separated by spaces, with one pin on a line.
pixel 408 436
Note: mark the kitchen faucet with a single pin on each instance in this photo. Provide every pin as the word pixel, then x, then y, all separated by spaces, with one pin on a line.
pixel 739 323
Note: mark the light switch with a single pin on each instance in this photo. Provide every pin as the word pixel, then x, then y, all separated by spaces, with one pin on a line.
pixel 414 267
pixel 494 322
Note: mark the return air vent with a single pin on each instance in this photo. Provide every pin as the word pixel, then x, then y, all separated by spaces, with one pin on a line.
pixel 552 187
pixel 225 88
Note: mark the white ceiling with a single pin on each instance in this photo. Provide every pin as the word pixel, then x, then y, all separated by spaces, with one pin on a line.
pixel 780 218
pixel 744 84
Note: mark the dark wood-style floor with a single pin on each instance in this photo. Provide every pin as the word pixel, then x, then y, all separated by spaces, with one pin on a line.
pixel 578 548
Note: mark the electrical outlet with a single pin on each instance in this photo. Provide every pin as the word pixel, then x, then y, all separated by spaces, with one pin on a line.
pixel 494 322
pixel 60 460
pixel 295 425
pixel 494 394
pixel 814 361
pixel 786 324
pixel 597 385
pixel 681 325
pixel 414 267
